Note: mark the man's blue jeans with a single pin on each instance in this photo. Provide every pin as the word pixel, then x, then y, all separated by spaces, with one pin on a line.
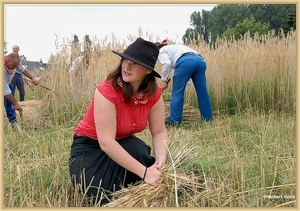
pixel 10 112
pixel 18 82
pixel 194 67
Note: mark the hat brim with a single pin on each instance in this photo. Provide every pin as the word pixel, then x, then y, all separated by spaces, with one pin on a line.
pixel 134 60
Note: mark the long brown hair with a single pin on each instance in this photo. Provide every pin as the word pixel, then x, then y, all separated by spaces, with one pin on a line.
pixel 148 85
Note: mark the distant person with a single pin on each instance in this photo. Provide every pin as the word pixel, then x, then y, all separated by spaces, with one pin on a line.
pixel 11 66
pixel 106 153
pixel 187 63
pixel 18 81
pixel 78 70
pixel 78 75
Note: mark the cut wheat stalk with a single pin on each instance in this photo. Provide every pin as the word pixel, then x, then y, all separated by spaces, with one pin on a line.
pixel 166 194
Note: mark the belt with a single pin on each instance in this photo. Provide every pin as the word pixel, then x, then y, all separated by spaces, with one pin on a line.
pixel 189 53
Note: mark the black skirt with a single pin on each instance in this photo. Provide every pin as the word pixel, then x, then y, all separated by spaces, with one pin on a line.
pixel 96 173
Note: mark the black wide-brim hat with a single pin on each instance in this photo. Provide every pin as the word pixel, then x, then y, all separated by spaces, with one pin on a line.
pixel 142 52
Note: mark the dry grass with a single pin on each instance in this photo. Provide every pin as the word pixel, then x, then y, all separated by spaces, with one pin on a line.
pixel 257 73
pixel 32 116
pixel 30 108
pixel 234 161
pixel 166 193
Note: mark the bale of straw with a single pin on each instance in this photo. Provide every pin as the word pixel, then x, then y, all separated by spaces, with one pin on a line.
pixel 32 114
pixel 175 190
pixel 30 108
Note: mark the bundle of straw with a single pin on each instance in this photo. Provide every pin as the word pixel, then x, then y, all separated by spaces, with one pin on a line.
pixel 175 190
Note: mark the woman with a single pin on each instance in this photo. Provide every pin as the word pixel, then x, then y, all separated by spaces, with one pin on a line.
pixel 106 154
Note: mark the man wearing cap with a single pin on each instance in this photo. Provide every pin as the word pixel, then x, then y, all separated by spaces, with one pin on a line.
pixel 187 63
pixel 106 154
pixel 17 80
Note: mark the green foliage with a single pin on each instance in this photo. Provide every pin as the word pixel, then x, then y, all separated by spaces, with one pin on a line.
pixel 199 22
pixel 196 19
pixel 248 24
pixel 290 22
pixel 87 43
pixel 236 19
pixel 191 36
pixel 76 40
pixel 76 45
pixel 224 16
pixel 275 14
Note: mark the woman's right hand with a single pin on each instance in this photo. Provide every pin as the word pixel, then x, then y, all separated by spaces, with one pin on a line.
pixel 153 175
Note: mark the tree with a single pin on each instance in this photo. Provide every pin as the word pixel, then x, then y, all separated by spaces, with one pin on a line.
pixel 224 16
pixel 75 48
pixel 275 14
pixel 290 22
pixel 87 43
pixel 192 33
pixel 190 36
pixel 199 22
pixel 76 40
pixel 248 24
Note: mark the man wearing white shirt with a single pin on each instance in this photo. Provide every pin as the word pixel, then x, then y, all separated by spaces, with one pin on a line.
pixel 187 63
pixel 77 70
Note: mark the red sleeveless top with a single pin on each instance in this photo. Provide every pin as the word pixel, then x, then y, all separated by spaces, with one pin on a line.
pixel 131 117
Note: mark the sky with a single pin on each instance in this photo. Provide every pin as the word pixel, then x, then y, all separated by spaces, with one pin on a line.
pixel 41 29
